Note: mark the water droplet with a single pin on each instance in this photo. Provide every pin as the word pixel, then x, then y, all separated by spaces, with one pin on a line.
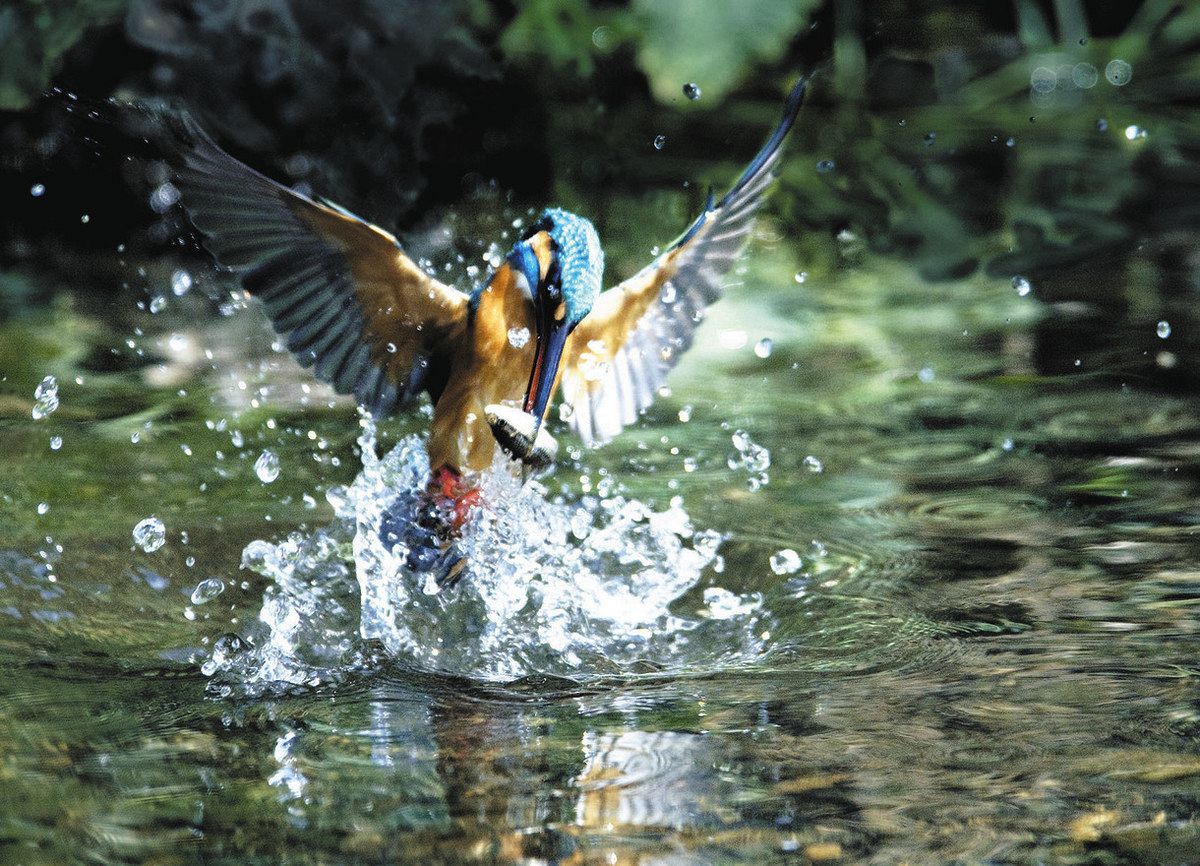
pixel 207 589
pixel 266 467
pixel 1084 75
pixel 659 141
pixel 813 464
pixel 157 304
pixel 518 338
pixel 930 137
pixel 43 507
pixel 45 398
pixel 181 281
pixel 926 375
pixel 801 277
pixel 1022 285
pixel 85 219
pixel 55 443
pixel 818 548
pixel 236 439
pixel 691 90
pixel 1007 445
pixel 1011 142
pixel 1164 329
pixel 826 165
pixel 750 456
pixel 1134 132
pixel 1101 125
pixel 225 648
pixel 37 190
pixel 163 197
pixel 150 534
pixel 763 347
pixel 602 37
pixel 1043 79
pixel 786 561
pixel 1118 72
pixel 685 414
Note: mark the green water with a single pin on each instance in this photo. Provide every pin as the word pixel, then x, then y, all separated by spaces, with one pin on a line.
pixel 993 661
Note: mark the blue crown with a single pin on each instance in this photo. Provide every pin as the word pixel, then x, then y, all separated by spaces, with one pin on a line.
pixel 581 260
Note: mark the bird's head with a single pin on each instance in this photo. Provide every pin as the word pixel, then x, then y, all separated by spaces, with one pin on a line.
pixel 559 265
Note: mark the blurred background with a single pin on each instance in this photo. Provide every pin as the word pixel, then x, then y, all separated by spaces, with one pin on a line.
pixel 939 440
pixel 1012 137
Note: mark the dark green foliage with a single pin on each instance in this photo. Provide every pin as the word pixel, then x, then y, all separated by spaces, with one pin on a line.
pixel 951 135
pixel 34 35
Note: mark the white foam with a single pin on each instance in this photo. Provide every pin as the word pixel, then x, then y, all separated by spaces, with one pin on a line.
pixel 570 588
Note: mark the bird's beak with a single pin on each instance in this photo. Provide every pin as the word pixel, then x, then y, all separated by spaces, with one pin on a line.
pixel 552 333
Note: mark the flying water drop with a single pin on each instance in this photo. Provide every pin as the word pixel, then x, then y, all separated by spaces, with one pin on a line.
pixel 518 338
pixel 181 281
pixel 207 589
pixel 45 398
pixel 1164 329
pixel 691 90
pixel 150 534
pixel 266 467
pixel 1118 72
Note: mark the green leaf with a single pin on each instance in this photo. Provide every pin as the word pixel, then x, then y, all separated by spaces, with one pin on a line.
pixel 559 30
pixel 712 44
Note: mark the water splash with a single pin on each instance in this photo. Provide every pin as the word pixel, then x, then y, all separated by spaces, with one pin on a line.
pixel 45 398
pixel 576 588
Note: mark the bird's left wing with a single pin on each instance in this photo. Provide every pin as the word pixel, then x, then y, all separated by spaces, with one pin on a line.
pixel 620 353
pixel 348 300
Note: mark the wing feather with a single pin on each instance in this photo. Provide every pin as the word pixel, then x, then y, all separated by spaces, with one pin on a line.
pixel 347 299
pixel 620 354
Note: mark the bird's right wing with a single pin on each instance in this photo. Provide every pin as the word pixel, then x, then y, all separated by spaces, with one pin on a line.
pixel 348 300
pixel 621 352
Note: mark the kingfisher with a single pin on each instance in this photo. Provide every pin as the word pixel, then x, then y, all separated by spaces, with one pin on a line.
pixel 358 311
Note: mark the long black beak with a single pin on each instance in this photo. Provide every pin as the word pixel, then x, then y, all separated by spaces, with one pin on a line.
pixel 552 336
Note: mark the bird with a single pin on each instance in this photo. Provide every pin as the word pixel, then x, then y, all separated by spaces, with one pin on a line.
pixel 356 309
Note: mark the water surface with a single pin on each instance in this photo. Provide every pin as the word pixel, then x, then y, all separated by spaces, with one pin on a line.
pixel 985 652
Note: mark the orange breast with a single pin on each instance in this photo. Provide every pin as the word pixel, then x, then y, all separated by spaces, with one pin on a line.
pixel 496 371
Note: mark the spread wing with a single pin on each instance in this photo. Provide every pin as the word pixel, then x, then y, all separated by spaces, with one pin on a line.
pixel 351 304
pixel 621 352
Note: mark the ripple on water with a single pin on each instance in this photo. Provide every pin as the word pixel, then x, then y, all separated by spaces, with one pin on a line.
pixel 569 588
